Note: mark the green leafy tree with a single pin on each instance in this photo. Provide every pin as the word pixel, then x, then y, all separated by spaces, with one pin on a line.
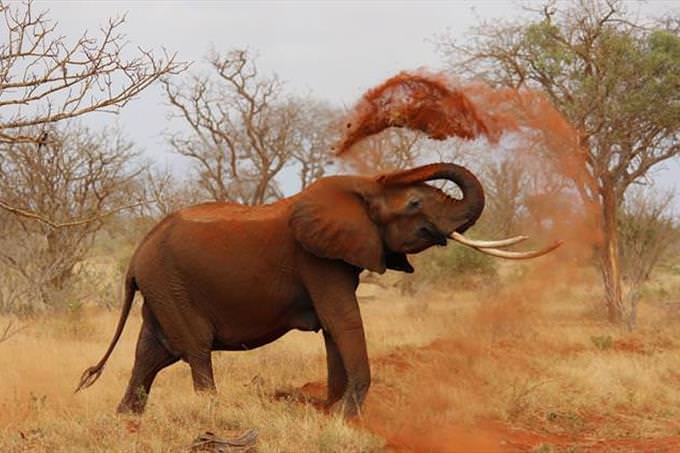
pixel 615 79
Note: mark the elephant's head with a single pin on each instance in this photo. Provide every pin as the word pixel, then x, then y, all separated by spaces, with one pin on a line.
pixel 373 223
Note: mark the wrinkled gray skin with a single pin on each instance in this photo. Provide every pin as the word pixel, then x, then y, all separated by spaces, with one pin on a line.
pixel 221 276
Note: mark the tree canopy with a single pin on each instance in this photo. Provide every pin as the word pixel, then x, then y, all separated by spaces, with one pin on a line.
pixel 614 78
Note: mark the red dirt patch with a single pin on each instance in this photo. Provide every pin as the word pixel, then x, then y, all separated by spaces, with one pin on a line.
pixel 394 409
pixel 630 345
pixel 638 345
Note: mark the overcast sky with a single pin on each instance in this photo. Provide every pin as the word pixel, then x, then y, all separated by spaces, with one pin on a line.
pixel 333 50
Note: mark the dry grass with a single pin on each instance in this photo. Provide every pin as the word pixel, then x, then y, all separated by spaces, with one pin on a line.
pixel 538 360
pixel 41 365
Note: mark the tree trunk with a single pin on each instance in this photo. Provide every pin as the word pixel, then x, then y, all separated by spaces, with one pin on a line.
pixel 609 256
pixel 62 274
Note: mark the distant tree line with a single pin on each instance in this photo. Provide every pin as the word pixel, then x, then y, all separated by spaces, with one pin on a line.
pixel 63 185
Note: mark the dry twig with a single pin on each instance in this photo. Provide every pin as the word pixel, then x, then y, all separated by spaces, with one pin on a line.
pixel 9 331
pixel 209 442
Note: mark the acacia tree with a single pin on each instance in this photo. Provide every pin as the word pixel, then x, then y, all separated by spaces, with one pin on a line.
pixel 615 80
pixel 244 130
pixel 46 78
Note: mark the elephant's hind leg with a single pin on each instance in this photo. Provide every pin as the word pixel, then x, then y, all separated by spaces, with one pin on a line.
pixel 150 357
pixel 202 371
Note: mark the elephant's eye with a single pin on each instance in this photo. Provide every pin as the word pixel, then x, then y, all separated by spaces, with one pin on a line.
pixel 413 204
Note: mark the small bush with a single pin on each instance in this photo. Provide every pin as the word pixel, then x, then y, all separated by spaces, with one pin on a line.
pixel 602 342
pixel 455 265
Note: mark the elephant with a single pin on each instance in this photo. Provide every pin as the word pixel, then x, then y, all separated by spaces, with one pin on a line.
pixel 223 276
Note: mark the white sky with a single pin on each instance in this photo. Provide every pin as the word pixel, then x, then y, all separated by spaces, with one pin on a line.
pixel 333 50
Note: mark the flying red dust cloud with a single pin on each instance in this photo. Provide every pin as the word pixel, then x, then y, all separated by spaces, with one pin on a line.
pixel 548 149
pixel 417 101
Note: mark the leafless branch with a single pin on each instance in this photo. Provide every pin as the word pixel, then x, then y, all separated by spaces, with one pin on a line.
pixel 9 331
pixel 71 223
pixel 45 78
pixel 54 198
pixel 244 130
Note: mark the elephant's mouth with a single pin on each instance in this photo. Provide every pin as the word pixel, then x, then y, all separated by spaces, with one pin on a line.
pixel 398 262
pixel 432 234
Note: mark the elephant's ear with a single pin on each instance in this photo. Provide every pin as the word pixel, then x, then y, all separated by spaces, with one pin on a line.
pixel 336 225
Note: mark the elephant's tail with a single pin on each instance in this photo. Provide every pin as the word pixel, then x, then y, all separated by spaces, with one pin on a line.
pixel 91 374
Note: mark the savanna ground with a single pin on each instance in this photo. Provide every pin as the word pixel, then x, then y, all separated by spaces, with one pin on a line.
pixel 520 364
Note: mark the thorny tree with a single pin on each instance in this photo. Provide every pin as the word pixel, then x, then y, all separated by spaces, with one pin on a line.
pixel 77 175
pixel 244 130
pixel 46 77
pixel 616 81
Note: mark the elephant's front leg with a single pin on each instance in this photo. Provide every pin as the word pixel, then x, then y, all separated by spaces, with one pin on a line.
pixel 331 287
pixel 337 376
pixel 352 346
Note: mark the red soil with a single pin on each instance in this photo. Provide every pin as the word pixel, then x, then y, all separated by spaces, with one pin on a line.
pixel 394 405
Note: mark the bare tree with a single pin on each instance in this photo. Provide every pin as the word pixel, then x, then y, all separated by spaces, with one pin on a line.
pixel 78 175
pixel 505 184
pixel 46 78
pixel 648 232
pixel 166 193
pixel 317 130
pixel 390 150
pixel 244 130
pixel 612 78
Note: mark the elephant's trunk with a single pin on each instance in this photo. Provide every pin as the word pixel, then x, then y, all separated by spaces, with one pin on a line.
pixel 458 215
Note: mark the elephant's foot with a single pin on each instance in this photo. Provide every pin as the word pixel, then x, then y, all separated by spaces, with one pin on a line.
pixel 337 387
pixel 209 390
pixel 134 401
pixel 346 408
pixel 131 407
pixel 349 405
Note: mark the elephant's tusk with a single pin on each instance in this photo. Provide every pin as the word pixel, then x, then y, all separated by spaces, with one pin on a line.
pixel 487 244
pixel 519 255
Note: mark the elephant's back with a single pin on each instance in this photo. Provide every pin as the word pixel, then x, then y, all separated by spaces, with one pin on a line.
pixel 222 259
pixel 213 246
pixel 217 212
pixel 225 220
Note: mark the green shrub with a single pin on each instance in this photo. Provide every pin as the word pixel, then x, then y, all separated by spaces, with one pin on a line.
pixel 457 260
pixel 455 265
pixel 602 343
